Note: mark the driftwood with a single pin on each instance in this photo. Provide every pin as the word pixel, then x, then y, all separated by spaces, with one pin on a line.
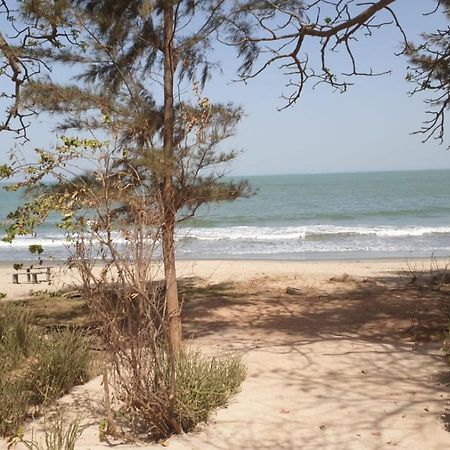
pixel 72 294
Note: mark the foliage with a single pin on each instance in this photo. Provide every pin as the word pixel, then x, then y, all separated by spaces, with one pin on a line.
pixel 35 248
pixel 14 405
pixel 205 384
pixel 35 367
pixel 45 293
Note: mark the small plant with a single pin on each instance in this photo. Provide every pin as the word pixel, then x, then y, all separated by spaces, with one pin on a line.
pixel 205 384
pixel 3 295
pixel 37 250
pixel 435 277
pixel 446 343
pixel 58 436
pixel 18 266
pixel 45 292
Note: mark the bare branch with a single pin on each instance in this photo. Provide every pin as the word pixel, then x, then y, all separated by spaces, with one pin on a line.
pixel 331 23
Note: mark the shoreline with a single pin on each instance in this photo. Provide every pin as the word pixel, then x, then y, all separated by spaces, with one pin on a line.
pixel 181 260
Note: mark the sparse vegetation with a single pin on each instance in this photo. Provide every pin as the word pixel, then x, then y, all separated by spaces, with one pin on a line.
pixel 35 368
pixel 435 277
pixel 58 435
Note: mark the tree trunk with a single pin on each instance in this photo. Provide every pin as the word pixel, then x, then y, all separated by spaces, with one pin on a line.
pixel 169 213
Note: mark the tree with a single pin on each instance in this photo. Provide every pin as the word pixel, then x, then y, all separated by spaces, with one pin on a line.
pixel 430 72
pixel 173 145
pixel 112 214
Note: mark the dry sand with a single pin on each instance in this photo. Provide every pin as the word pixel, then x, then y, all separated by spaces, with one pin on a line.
pixel 336 367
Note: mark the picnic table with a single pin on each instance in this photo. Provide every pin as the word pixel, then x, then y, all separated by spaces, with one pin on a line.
pixel 32 273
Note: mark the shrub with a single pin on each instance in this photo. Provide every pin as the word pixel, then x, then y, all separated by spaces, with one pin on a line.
pixel 157 406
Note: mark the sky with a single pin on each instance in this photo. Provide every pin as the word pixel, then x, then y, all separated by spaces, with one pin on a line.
pixel 366 129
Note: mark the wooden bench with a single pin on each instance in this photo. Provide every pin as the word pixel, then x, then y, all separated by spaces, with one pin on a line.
pixel 32 274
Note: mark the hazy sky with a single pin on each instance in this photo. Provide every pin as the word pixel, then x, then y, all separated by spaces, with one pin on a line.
pixel 366 129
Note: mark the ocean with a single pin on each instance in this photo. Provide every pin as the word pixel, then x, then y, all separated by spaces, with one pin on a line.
pixel 300 217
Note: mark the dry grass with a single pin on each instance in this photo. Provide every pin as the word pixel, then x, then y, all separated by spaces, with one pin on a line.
pixel 48 310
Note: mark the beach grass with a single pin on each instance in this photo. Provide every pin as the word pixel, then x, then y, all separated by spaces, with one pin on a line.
pixel 36 367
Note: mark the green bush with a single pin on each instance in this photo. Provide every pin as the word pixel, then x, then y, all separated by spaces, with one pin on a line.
pixel 205 384
pixel 35 367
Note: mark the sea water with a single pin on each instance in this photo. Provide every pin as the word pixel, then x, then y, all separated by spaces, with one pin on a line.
pixel 320 216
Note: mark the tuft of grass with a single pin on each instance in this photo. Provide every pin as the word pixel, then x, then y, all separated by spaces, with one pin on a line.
pixel 58 435
pixel 17 336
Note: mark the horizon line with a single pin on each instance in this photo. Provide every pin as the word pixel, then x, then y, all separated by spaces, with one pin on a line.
pixel 344 172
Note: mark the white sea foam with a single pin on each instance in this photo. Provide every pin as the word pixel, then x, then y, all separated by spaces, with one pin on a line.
pixel 316 232
pixel 263 234
pixel 271 240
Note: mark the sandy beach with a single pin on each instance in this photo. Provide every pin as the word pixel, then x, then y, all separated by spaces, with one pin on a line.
pixel 350 362
pixel 310 273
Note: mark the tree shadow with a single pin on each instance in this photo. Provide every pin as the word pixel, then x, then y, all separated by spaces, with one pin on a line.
pixel 384 308
pixel 395 329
